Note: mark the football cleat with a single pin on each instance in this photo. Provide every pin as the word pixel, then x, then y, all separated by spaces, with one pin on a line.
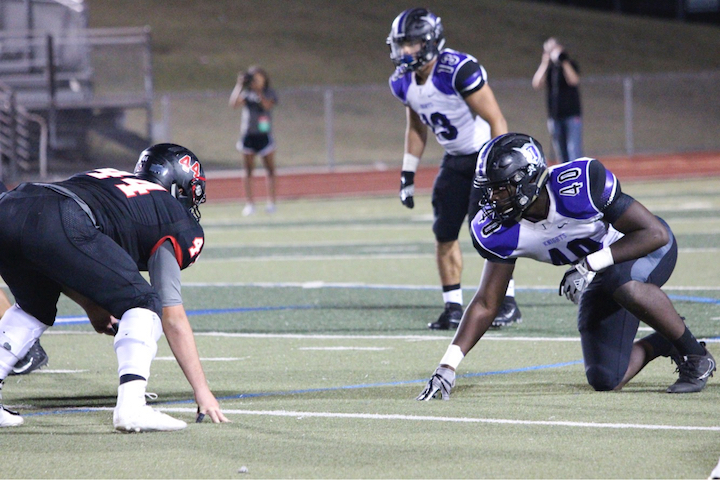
pixel 715 474
pixel 132 415
pixel 144 419
pixel 34 359
pixel 8 418
pixel 695 370
pixel 449 319
pixel 509 314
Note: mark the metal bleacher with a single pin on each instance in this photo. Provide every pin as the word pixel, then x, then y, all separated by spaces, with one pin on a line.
pixel 60 81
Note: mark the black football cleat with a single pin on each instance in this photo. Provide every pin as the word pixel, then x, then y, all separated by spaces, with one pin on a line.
pixel 509 313
pixel 695 370
pixel 449 319
pixel 34 359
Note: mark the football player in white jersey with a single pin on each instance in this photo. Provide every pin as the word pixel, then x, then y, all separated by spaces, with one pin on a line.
pixel 447 91
pixel 576 214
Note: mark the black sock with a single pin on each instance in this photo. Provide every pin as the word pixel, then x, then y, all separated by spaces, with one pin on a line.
pixel 687 344
pixel 450 288
pixel 661 346
pixel 130 377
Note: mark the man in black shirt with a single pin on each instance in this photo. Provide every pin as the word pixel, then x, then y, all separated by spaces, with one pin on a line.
pixel 561 75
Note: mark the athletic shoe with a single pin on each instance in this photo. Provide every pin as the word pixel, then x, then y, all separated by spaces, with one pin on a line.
pixel 694 372
pixel 132 415
pixel 270 208
pixel 509 314
pixel 715 474
pixel 34 359
pixel 144 419
pixel 8 418
pixel 248 210
pixel 449 319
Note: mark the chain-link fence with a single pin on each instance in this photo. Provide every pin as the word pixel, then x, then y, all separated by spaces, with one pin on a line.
pixel 364 125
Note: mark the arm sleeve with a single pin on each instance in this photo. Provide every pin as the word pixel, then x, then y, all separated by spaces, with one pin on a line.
pixel 606 192
pixel 470 78
pixel 165 275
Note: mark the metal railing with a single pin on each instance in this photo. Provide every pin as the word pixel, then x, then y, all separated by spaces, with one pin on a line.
pixel 20 143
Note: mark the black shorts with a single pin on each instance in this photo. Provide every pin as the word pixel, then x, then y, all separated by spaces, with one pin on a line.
pixel 48 242
pixel 607 331
pixel 259 143
pixel 451 195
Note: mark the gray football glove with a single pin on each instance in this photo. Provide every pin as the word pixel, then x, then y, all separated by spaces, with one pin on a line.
pixel 575 280
pixel 443 380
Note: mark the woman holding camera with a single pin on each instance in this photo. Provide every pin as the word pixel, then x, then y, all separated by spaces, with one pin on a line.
pixel 252 92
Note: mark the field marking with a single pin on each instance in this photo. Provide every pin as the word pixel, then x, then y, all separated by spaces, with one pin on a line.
pixel 205 359
pixel 421 418
pixel 333 349
pixel 380 286
pixel 43 370
pixel 370 256
pixel 407 338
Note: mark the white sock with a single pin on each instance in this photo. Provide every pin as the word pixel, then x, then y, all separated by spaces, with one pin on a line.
pixel 511 288
pixel 136 341
pixel 453 296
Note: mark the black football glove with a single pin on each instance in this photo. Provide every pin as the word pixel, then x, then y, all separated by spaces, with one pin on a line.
pixel 575 280
pixel 407 188
pixel 442 381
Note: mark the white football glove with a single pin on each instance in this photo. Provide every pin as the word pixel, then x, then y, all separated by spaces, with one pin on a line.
pixel 443 380
pixel 575 280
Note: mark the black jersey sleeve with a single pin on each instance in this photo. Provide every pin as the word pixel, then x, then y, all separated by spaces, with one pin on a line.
pixel 469 78
pixel 611 201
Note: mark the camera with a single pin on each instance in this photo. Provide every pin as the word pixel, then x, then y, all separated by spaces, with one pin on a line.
pixel 247 80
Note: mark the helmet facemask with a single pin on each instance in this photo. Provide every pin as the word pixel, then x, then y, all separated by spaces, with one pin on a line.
pixel 510 176
pixel 415 26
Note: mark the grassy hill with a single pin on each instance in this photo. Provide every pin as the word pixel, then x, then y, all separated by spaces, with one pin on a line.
pixel 203 44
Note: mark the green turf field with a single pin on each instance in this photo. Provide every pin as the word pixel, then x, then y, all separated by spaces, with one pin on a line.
pixel 311 325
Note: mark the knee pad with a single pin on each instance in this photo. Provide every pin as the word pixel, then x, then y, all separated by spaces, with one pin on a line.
pixel 18 332
pixel 136 341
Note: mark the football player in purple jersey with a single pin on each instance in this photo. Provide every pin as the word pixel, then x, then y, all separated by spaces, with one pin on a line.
pixel 620 254
pixel 89 237
pixel 447 91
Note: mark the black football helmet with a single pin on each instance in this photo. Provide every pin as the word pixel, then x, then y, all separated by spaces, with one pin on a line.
pixel 415 25
pixel 178 170
pixel 513 159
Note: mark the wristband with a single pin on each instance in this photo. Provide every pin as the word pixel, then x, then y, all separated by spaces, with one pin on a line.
pixel 410 162
pixel 453 356
pixel 600 259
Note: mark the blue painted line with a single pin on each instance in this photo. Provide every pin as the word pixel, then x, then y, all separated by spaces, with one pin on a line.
pixel 79 320
pixel 685 298
pixel 386 384
pixel 327 389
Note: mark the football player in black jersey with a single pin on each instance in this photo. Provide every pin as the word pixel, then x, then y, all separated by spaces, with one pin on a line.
pixel 89 237
pixel 36 357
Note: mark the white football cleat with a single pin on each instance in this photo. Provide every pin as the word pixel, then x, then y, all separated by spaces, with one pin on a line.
pixel 715 473
pixel 8 418
pixel 144 419
pixel 132 415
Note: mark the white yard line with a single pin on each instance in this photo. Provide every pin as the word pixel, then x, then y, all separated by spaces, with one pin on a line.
pixel 421 418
